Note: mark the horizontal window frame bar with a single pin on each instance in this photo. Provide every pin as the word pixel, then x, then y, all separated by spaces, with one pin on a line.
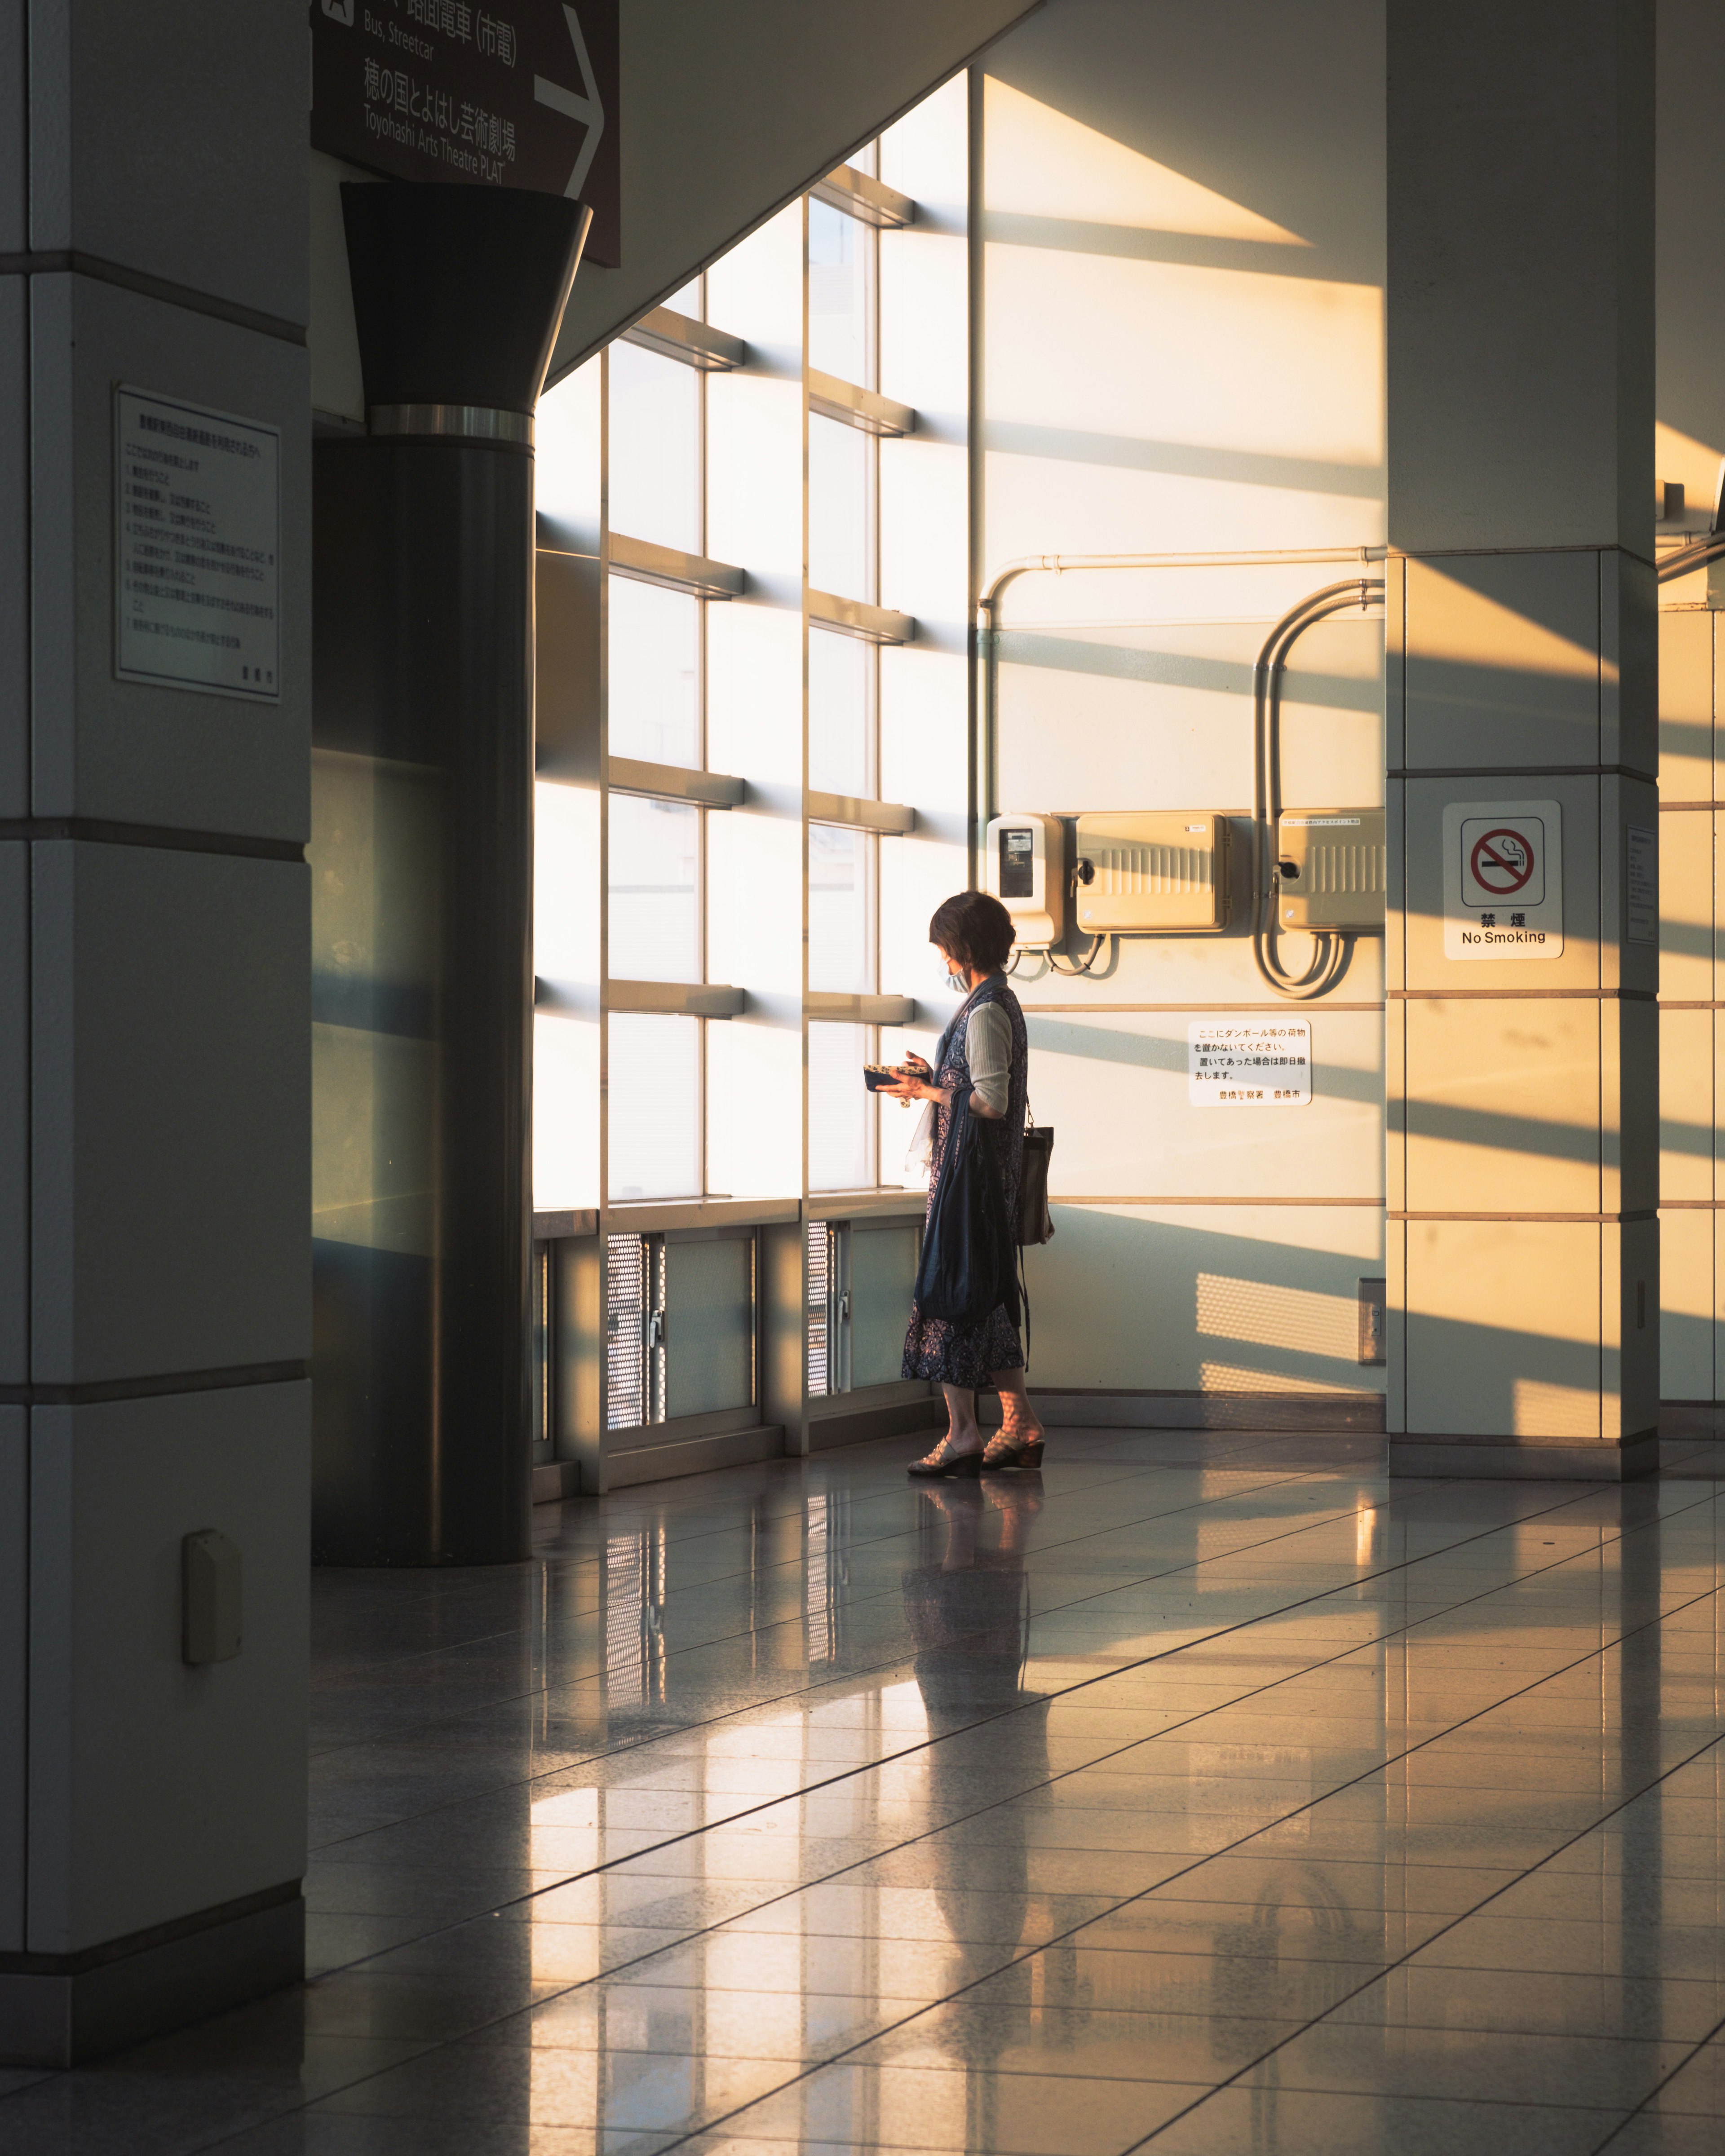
pixel 565 1224
pixel 832 397
pixel 836 1007
pixel 859 195
pixel 679 337
pixel 859 813
pixel 856 617
pixel 674 998
pixel 673 570
pixel 675 782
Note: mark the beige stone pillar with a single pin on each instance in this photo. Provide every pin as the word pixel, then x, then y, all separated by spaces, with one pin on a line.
pixel 1523 950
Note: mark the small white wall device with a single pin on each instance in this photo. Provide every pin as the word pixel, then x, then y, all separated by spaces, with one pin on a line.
pixel 1155 872
pixel 1025 868
pixel 1330 868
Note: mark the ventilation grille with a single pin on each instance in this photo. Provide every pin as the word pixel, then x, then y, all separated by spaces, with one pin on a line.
pixel 819 1285
pixel 1336 868
pixel 626 1368
pixel 1151 871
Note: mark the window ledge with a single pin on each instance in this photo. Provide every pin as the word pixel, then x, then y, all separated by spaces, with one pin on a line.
pixel 560 1227
pixel 673 336
pixel 674 571
pixel 840 1205
pixel 834 398
pixel 889 816
pixel 829 1007
pixel 658 1216
pixel 859 195
pixel 854 618
pixel 675 782
pixel 675 999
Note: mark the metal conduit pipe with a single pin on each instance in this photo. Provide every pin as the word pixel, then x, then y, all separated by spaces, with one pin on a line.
pixel 1266 703
pixel 1331 953
pixel 1694 556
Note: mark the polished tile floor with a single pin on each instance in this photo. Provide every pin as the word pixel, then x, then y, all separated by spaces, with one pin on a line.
pixel 1202 1794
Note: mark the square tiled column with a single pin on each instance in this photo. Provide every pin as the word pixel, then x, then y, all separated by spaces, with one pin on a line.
pixel 1523 1073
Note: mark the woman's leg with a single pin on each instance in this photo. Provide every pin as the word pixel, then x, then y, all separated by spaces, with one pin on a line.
pixel 1020 1420
pixel 963 1432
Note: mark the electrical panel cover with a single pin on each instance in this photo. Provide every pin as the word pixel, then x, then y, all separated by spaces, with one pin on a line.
pixel 1331 868
pixel 1153 872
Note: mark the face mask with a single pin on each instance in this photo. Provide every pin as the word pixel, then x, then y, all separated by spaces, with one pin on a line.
pixel 955 982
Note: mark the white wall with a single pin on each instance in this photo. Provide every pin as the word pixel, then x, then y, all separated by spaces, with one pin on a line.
pixel 1182 350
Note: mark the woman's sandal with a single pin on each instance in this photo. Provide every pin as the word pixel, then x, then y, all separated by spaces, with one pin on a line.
pixel 1004 1449
pixel 943 1461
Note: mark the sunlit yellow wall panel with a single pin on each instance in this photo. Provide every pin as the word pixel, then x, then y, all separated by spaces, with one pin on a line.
pixel 1687 1094
pixel 1686 970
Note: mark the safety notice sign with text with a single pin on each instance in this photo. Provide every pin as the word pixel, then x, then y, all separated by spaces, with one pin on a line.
pixel 1503 879
pixel 1246 1062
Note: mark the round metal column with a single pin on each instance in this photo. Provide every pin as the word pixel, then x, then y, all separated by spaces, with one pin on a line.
pixel 422 856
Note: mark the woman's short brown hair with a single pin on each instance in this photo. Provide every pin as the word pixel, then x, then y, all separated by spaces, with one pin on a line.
pixel 973 928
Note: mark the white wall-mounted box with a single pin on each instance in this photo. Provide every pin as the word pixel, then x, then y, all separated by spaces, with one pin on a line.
pixel 1025 868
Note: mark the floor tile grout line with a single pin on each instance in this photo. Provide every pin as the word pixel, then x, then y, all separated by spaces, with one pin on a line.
pixel 1060 1937
pixel 851 1772
pixel 708 1930
pixel 806 1690
pixel 1402 1960
pixel 833 1781
pixel 1653 2094
pixel 1175 1512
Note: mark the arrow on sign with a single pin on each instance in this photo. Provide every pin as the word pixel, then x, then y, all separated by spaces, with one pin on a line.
pixel 586 108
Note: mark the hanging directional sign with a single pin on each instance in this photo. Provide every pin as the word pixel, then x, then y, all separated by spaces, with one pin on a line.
pixel 511 94
pixel 1503 879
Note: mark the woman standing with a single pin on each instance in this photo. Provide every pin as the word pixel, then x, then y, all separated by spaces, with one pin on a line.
pixel 984 1057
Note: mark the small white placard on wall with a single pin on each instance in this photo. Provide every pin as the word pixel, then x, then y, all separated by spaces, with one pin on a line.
pixel 1503 879
pixel 198 548
pixel 1249 1062
pixel 1643 885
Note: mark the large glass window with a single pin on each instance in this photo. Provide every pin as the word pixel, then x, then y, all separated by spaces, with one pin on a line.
pixel 841 464
pixel 655 448
pixel 841 909
pixel 656 673
pixel 841 1110
pixel 840 706
pixel 654 1094
pixel 840 252
pixel 654 890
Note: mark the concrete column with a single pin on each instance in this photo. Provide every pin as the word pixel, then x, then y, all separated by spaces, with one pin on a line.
pixel 154 1262
pixel 1524 1057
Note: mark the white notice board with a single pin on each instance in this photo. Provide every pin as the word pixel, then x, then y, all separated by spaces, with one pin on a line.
pixel 1503 879
pixel 198 547
pixel 1247 1062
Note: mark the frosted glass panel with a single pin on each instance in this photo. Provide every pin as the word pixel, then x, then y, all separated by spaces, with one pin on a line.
pixel 654 701
pixel 565 452
pixel 652 1083
pixel 687 300
pixel 655 920
pixel 838 293
pixel 840 945
pixel 883 1271
pixel 840 1109
pixel 838 509
pixel 709 1326
pixel 654 449
pixel 754 1093
pixel 566 1111
pixel 839 671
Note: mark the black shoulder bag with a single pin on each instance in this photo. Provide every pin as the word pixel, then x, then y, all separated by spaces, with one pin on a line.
pixel 967 1266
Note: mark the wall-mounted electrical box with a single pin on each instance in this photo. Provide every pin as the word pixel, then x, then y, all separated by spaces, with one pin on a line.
pixel 1026 871
pixel 1332 867
pixel 1152 872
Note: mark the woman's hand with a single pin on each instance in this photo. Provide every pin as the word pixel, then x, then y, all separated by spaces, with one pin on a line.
pixel 916 1084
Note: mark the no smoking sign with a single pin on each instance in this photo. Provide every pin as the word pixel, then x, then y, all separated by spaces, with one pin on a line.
pixel 1503 879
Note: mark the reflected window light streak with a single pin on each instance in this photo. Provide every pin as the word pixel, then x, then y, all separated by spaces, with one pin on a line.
pixel 634 1611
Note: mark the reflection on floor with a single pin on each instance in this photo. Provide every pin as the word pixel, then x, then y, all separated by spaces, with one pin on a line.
pixel 1210 1793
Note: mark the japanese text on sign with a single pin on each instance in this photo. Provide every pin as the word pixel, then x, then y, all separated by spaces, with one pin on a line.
pixel 198 548
pixel 1503 879
pixel 1249 1063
